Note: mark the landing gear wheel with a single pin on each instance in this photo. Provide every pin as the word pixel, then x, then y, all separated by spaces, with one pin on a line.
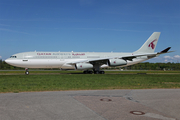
pixel 27 72
pixel 87 72
pixel 96 72
pixel 101 72
pixel 90 72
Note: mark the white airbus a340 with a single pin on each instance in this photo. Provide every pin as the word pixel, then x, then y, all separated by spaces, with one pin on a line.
pixel 86 61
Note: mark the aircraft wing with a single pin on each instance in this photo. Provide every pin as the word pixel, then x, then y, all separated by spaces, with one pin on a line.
pixel 125 57
pixel 104 60
pixel 130 57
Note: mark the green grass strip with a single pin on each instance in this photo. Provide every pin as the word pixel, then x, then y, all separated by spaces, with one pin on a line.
pixel 22 83
pixel 16 72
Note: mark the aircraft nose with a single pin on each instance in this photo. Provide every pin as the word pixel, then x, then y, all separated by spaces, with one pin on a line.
pixel 8 61
pixel 12 62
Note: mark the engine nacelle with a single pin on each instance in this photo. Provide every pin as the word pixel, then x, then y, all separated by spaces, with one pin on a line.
pixel 116 62
pixel 83 66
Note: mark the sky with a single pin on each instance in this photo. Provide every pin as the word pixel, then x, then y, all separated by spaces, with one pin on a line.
pixel 89 26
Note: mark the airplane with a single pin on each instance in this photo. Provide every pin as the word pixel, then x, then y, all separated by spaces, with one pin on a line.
pixel 90 62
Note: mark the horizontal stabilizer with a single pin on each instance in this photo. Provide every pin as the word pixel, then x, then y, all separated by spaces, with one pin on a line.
pixel 165 51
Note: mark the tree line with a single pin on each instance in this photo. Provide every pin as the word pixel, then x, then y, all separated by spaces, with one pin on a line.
pixel 139 66
pixel 155 66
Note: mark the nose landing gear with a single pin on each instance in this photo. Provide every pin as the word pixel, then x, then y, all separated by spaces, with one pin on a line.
pixel 26 72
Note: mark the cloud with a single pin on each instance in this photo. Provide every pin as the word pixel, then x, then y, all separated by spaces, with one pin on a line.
pixel 177 56
pixel 0 57
pixel 174 57
pixel 171 59
pixel 166 61
pixel 168 57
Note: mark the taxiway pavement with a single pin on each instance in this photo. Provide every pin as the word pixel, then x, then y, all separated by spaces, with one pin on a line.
pixel 145 104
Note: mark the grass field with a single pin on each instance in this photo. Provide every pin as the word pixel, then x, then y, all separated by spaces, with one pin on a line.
pixel 16 72
pixel 72 80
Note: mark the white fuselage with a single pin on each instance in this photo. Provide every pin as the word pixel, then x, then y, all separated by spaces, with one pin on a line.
pixel 86 60
pixel 62 59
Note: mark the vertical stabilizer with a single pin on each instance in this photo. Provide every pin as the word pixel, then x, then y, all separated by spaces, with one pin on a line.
pixel 150 45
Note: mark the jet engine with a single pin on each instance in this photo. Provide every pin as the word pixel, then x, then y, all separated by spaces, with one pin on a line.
pixel 83 66
pixel 116 62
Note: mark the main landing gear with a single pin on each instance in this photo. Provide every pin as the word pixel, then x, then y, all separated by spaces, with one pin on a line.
pixel 26 72
pixel 91 72
pixel 99 72
pixel 96 69
pixel 87 72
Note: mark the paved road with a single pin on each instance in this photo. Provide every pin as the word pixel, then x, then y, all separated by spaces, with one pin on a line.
pixel 155 104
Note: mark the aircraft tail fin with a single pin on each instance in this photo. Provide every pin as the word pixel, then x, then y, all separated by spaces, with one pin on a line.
pixel 150 45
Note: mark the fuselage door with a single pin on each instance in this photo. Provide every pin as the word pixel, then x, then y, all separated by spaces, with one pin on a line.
pixel 25 57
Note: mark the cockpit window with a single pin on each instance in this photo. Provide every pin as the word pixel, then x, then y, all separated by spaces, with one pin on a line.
pixel 13 57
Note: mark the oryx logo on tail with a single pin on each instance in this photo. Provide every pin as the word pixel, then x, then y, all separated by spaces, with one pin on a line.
pixel 152 45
